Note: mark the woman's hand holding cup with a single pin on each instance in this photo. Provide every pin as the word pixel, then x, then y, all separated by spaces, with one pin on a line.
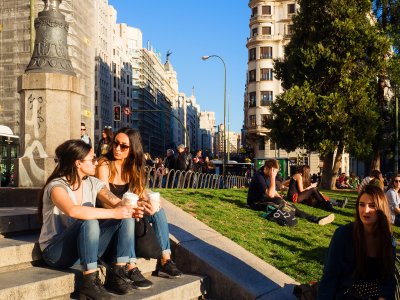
pixel 123 212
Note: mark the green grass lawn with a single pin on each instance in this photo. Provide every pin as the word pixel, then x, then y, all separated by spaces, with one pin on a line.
pixel 298 251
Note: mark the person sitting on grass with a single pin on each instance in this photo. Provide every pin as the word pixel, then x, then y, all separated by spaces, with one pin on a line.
pixel 301 190
pixel 375 174
pixel 123 169
pixel 394 199
pixel 360 263
pixel 262 192
pixel 71 230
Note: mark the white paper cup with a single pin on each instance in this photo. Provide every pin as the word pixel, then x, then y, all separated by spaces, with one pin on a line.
pixel 130 199
pixel 155 200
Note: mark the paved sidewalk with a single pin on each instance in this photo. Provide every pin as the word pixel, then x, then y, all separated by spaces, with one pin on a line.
pixel 235 273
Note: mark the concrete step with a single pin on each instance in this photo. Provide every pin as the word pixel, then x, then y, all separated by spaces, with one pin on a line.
pixel 39 283
pixel 17 196
pixel 21 251
pixel 18 219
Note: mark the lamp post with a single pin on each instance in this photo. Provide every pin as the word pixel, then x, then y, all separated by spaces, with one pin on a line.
pixel 223 62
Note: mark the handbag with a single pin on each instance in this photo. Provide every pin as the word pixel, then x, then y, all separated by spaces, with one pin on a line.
pixel 283 213
pixel 306 291
pixel 146 242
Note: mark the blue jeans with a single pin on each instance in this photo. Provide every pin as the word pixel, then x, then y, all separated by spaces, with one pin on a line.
pixel 86 240
pixel 160 225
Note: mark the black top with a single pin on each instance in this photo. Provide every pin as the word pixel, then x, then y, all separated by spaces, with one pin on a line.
pixel 119 189
pixel 258 185
pixel 293 189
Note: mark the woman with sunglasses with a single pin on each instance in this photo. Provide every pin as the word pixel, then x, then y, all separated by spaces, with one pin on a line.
pixel 123 169
pixel 361 255
pixel 394 199
pixel 71 229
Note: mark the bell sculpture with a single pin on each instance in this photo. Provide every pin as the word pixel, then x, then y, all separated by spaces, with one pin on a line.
pixel 50 54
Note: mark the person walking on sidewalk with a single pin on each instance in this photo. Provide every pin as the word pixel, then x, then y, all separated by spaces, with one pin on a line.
pixel 71 229
pixel 123 169
pixel 262 192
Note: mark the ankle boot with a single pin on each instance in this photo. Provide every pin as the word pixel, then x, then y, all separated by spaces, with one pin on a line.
pixel 117 281
pixel 92 288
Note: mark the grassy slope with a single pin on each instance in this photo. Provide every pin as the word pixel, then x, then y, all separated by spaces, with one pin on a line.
pixel 298 251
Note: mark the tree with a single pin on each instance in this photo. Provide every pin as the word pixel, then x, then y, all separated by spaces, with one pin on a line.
pixel 329 77
pixel 387 16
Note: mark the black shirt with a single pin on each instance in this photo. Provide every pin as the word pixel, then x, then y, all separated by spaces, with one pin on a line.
pixel 258 185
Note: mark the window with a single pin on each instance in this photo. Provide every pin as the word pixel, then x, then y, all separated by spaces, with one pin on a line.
pixel 254 32
pixel 291 8
pixel 266 30
pixel 252 75
pixel 265 118
pixel 252 99
pixel 272 145
pixel 261 143
pixel 252 120
pixel 266 98
pixel 252 54
pixel 254 11
pixel 266 9
pixel 266 74
pixel 289 30
pixel 266 52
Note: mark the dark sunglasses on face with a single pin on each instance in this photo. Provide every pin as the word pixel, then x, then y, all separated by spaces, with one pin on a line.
pixel 83 129
pixel 397 181
pixel 122 146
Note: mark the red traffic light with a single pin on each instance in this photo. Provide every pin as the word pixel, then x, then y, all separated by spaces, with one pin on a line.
pixel 117 113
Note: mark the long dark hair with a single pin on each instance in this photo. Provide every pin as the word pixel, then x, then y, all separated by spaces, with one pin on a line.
pixel 133 167
pixel 66 155
pixel 382 233
pixel 391 184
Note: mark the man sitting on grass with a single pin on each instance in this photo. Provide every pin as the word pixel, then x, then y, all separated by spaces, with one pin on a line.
pixel 262 192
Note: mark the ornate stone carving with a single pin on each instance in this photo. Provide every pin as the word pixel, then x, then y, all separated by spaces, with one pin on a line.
pixel 50 54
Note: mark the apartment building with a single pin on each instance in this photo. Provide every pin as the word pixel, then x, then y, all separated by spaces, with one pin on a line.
pixel 270 28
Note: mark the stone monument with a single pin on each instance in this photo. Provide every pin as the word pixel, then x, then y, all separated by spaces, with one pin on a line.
pixel 51 97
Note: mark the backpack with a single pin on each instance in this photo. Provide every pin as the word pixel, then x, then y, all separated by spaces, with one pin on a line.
pixel 282 213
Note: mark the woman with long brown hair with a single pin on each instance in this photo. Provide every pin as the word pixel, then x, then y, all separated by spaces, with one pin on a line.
pixel 361 255
pixel 123 169
pixel 301 190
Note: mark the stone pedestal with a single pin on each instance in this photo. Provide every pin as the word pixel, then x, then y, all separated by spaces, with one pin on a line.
pixel 50 115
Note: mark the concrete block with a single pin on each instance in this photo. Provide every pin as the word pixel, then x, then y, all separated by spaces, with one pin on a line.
pixel 15 197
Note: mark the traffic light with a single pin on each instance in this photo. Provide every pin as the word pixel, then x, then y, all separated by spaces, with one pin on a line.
pixel 117 113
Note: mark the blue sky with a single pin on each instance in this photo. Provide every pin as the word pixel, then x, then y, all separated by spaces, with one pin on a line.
pixel 191 29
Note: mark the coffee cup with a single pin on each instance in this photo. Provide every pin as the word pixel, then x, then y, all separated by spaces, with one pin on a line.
pixel 130 199
pixel 154 198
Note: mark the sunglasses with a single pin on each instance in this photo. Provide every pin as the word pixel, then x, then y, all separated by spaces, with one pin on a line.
pixel 123 147
pixel 83 129
pixel 397 181
pixel 93 160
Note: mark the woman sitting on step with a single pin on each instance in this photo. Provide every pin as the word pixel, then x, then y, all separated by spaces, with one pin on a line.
pixel 123 169
pixel 71 230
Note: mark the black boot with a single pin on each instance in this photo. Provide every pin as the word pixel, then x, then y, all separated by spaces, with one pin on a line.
pixel 117 281
pixel 93 289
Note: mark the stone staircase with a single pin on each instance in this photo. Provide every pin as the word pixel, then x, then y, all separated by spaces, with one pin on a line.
pixel 24 276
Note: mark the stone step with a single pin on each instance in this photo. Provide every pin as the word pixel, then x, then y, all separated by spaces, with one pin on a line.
pixel 18 219
pixel 12 196
pixel 21 251
pixel 38 283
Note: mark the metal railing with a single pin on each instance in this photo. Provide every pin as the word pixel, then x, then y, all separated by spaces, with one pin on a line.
pixel 161 178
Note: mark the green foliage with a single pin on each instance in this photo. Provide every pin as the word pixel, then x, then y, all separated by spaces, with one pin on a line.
pixel 299 252
pixel 329 74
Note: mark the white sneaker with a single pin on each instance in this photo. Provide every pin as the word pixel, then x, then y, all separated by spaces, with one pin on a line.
pixel 326 220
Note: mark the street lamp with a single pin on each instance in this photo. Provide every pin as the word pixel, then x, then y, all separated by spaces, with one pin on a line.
pixel 205 57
